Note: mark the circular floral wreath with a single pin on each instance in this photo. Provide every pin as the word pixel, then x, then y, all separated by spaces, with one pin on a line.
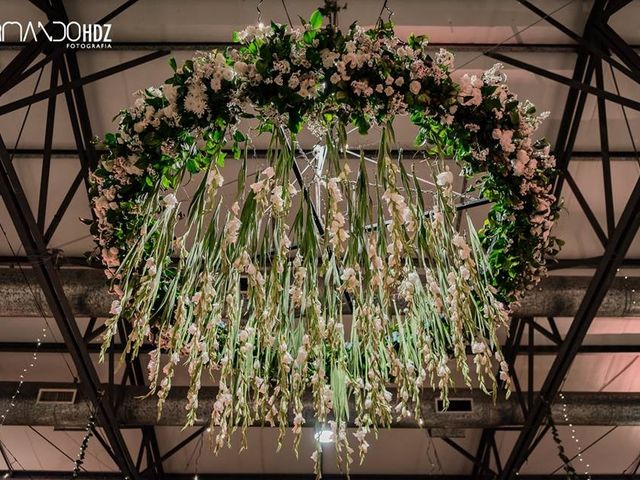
pixel 419 293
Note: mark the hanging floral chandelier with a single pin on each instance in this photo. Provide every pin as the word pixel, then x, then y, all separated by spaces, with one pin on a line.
pixel 369 287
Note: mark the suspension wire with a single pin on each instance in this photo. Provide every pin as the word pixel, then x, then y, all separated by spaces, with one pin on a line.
pixel 36 301
pixel 197 448
pixel 384 8
pixel 286 11
pixel 384 5
pixel 93 455
pixel 26 114
pixel 636 462
pixel 15 460
pixel 259 9
pixel 498 45
pixel 624 113
pixel 54 445
pixel 617 375
pixel 24 119
pixel 601 437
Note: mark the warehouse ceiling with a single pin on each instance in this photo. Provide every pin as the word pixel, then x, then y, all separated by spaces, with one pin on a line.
pixel 145 35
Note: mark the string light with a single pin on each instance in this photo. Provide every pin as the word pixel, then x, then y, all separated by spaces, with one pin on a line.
pixel 39 340
pixel 22 376
pixel 574 436
pixel 83 446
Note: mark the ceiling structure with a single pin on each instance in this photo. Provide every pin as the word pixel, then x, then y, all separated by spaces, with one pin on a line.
pixel 575 341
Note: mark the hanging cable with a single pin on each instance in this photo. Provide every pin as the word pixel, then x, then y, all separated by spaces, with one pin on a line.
pixel 624 113
pixel 498 45
pixel 15 459
pixel 26 114
pixel 259 9
pixel 38 305
pixel 384 8
pixel 41 435
pixel 286 11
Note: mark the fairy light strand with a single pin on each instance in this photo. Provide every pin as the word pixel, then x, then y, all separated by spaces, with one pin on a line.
pixel 574 436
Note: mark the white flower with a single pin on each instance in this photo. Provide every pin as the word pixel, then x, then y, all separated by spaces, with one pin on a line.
pixel 349 278
pixel 463 247
pixel 444 58
pixel 464 272
pixel 445 178
pixel 170 200
pixel 240 67
pixel 139 127
pixel 294 81
pixel 257 187
pixel 227 74
pixel 276 198
pixel 170 92
pixel 195 101
pixel 196 297
pixel 333 189
pixel 232 229
pixel 116 308
pixel 298 421
pixel 243 335
pixel 415 87
pixel 470 90
pixel 478 347
pixel 110 257
pixel 269 172
pixel 505 137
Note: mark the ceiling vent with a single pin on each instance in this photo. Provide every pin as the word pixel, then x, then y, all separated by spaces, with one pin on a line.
pixel 456 405
pixel 57 395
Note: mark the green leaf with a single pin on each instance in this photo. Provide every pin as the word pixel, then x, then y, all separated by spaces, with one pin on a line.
pixel 173 64
pixel 309 36
pixel 316 20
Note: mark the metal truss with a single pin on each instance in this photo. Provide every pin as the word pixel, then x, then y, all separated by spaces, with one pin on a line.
pixel 599 47
pixel 176 46
pixel 54 475
pixel 35 234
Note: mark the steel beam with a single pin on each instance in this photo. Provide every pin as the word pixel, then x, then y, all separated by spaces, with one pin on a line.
pixel 409 153
pixel 630 344
pixel 107 72
pixel 86 289
pixel 583 408
pixel 51 288
pixel 599 285
pixel 597 34
pixel 180 46
pixel 105 475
